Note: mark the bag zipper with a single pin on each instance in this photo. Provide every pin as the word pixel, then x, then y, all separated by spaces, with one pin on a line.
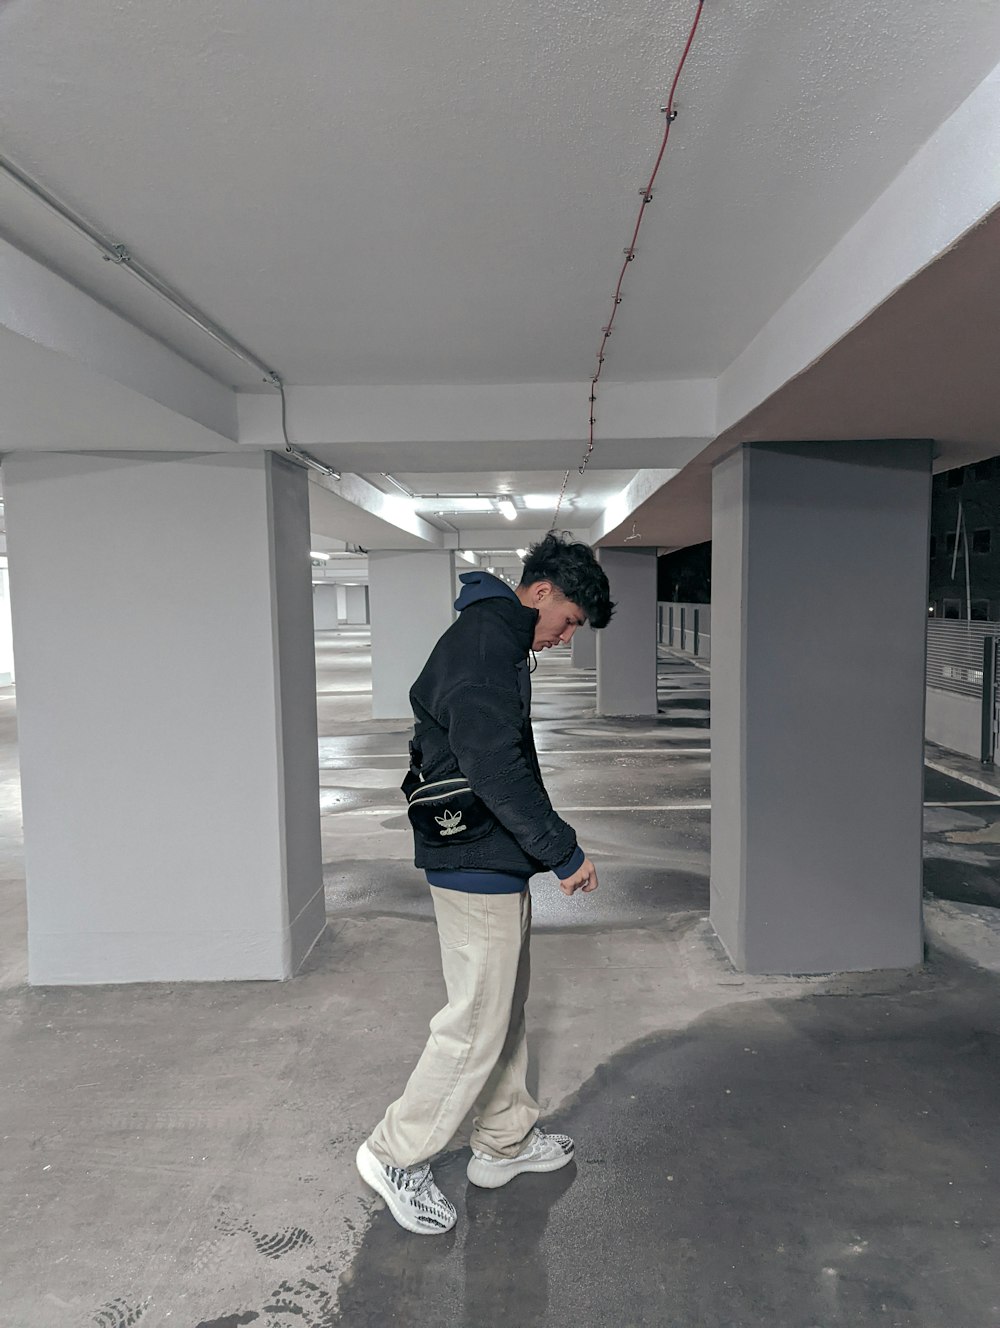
pixel 419 794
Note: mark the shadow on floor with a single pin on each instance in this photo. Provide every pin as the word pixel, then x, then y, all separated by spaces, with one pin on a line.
pixel 806 1163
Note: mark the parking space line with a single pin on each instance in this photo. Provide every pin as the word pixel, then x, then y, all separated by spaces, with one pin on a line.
pixel 569 751
pixel 637 807
pixel 963 779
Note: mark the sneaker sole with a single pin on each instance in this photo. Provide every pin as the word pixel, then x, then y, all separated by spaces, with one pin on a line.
pixel 487 1177
pixel 372 1176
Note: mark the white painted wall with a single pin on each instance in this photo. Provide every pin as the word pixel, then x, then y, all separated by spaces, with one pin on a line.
pixel 170 782
pixel 954 721
pixel 412 603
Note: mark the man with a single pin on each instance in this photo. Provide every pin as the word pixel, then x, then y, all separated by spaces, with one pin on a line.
pixel 472 711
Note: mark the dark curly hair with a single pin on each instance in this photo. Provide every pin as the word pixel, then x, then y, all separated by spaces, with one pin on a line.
pixel 573 569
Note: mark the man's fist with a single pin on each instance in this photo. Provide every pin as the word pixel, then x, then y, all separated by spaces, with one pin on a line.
pixel 585 879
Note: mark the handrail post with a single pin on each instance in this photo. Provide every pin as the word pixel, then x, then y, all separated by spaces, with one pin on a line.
pixel 989 700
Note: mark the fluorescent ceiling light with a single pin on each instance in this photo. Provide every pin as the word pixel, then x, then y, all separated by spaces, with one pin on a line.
pixel 536 501
pixel 465 505
pixel 506 508
pixel 319 557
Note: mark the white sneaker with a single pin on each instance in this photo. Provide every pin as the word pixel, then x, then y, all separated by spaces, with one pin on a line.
pixel 542 1152
pixel 410 1194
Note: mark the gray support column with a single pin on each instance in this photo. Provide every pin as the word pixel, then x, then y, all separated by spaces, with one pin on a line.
pixel 819 609
pixel 170 787
pixel 412 603
pixel 626 648
pixel 584 648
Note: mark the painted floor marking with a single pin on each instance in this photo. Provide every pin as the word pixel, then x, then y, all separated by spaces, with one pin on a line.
pixel 964 779
pixel 983 802
pixel 665 807
pixel 569 751
pixel 639 807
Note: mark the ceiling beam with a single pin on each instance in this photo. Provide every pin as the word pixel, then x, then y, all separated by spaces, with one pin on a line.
pixel 949 186
pixel 74 347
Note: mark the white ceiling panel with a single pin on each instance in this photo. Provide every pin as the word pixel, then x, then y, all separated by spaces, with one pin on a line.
pixel 369 192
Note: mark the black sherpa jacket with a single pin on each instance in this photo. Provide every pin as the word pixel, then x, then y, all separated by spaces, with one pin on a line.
pixel 472 712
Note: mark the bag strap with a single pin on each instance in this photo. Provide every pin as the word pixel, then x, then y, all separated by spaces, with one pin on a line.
pixel 413 778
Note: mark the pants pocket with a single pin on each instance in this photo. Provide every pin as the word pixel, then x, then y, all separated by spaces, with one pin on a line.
pixel 452 909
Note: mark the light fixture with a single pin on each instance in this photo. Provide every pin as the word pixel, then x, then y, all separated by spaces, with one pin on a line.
pixel 463 505
pixel 491 570
pixel 319 557
pixel 521 552
pixel 506 508
pixel 536 501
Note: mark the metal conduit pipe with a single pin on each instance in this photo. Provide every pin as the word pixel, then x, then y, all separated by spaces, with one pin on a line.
pixel 120 255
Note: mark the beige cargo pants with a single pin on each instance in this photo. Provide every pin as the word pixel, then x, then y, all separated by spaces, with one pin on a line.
pixel 476 1055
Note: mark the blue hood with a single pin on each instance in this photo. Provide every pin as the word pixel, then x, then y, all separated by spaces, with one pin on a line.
pixel 481 585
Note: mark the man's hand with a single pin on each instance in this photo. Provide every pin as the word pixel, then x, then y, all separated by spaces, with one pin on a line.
pixel 585 879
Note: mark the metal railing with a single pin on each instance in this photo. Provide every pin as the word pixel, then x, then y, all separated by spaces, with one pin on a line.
pixel 685 627
pixel 955 655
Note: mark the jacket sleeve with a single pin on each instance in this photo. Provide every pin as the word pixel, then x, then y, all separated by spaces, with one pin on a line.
pixel 484 733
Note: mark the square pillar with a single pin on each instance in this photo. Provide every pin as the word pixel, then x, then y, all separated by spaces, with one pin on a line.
pixel 356 605
pixel 412 603
pixel 819 620
pixel 325 612
pixel 162 620
pixel 626 648
pixel 584 648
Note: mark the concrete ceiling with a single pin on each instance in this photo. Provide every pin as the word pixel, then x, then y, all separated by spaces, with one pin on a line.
pixel 369 192
pixel 936 343
pixel 378 197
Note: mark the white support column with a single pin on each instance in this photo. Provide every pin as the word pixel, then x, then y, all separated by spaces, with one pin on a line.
pixel 325 615
pixel 584 648
pixel 356 605
pixel 412 603
pixel 626 648
pixel 170 786
pixel 819 620
pixel 6 635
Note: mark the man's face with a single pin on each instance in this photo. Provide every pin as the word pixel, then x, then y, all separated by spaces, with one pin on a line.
pixel 558 617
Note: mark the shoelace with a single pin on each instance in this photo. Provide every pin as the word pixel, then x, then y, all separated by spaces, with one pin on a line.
pixel 417 1180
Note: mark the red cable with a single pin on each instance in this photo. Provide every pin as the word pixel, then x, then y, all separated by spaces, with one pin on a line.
pixel 647 195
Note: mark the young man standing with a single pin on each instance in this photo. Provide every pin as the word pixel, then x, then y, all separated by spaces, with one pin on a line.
pixel 472 710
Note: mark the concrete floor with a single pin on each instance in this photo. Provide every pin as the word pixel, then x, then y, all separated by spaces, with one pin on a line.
pixel 795 1153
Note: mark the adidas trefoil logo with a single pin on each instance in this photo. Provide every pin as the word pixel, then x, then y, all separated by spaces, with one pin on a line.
pixel 451 823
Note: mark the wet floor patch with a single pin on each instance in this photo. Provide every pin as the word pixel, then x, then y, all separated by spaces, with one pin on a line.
pixel 813 1163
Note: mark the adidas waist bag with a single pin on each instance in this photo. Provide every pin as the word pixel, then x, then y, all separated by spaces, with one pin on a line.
pixel 447 812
